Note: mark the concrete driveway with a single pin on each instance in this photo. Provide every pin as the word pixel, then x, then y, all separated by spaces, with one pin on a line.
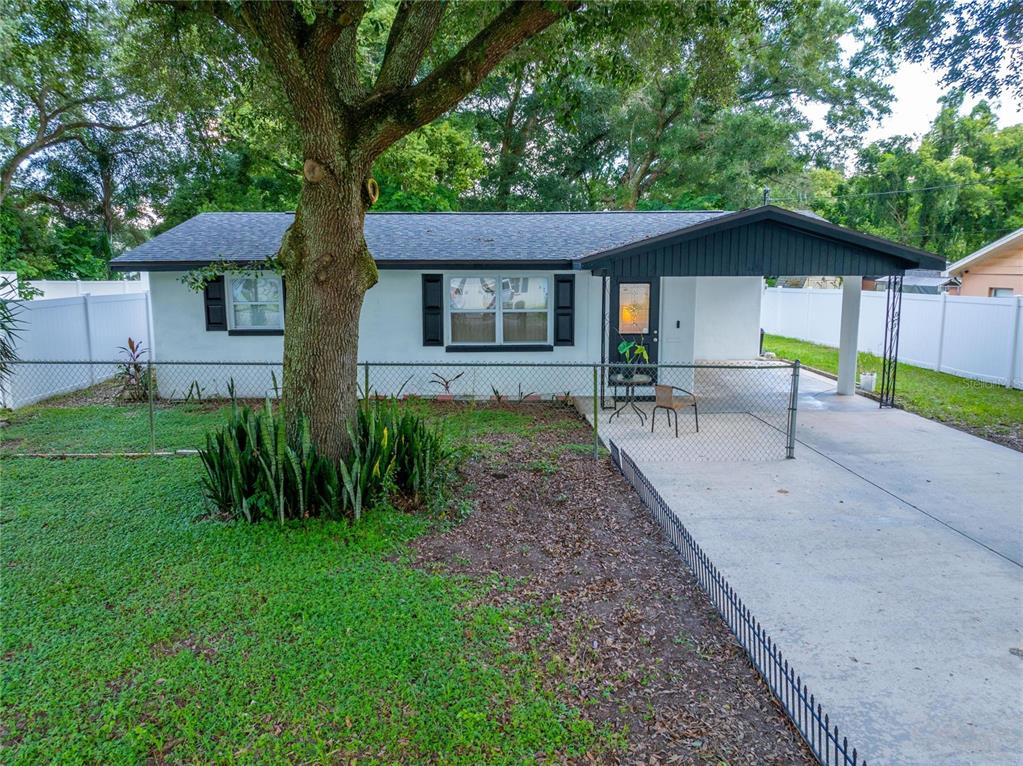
pixel 887 561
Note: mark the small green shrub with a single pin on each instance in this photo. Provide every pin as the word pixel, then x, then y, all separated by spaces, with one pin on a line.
pixel 253 471
pixel 399 438
pixel 133 373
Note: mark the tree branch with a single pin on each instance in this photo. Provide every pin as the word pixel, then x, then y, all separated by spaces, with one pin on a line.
pixel 29 196
pixel 446 85
pixel 328 29
pixel 343 70
pixel 111 127
pixel 108 98
pixel 59 135
pixel 411 33
pixel 270 30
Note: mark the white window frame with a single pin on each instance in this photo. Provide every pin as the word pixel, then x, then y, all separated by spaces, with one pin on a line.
pixel 230 302
pixel 993 292
pixel 499 310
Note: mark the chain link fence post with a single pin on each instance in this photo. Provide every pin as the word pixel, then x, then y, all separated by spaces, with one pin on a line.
pixel 150 389
pixel 596 408
pixel 365 381
pixel 790 447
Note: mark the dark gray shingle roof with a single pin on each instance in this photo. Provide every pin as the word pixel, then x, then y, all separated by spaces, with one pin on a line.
pixel 456 237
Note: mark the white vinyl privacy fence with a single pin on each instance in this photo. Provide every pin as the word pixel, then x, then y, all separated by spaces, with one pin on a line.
pixel 979 338
pixel 54 288
pixel 90 327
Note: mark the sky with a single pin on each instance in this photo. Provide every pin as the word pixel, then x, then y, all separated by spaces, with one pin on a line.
pixel 917 89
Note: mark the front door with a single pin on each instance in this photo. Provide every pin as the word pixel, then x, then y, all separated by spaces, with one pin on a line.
pixel 634 313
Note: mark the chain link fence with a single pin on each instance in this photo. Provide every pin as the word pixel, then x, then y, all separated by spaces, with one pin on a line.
pixel 699 412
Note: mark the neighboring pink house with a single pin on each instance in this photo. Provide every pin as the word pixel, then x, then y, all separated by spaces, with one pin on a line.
pixel 994 271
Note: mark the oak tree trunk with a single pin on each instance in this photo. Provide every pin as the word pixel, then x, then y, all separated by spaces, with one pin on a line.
pixel 344 126
pixel 327 270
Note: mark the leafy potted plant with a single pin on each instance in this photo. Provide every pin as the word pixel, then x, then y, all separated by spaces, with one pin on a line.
pixel 633 351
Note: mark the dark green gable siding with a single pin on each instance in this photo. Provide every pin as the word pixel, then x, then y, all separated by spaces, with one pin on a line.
pixel 762 248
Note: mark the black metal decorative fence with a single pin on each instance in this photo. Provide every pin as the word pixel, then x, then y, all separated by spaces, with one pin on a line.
pixel 727 411
pixel 802 707
pixel 892 322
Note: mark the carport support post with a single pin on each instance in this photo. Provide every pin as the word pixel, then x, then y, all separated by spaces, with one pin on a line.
pixel 790 442
pixel 852 291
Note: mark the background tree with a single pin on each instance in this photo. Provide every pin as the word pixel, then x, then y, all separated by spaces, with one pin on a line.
pixel 76 143
pixel 707 117
pixel 959 189
pixel 56 81
pixel 977 45
pixel 429 169
pixel 229 175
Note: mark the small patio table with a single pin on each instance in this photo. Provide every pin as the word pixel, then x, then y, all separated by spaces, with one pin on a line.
pixel 629 383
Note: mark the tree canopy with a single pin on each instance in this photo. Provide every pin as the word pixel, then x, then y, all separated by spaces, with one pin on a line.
pixel 121 120
pixel 959 189
pixel 662 124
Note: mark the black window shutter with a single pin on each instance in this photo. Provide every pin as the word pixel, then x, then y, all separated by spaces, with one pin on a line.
pixel 433 309
pixel 564 309
pixel 215 304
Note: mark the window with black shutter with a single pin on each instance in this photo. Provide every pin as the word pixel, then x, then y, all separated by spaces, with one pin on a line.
pixel 215 301
pixel 564 309
pixel 433 309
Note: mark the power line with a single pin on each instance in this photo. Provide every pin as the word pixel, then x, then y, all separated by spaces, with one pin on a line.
pixel 901 191
pixel 963 232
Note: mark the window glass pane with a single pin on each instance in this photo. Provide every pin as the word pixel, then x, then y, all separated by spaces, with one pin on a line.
pixel 633 308
pixel 268 289
pixel 472 327
pixel 524 293
pixel 473 293
pixel 525 326
pixel 243 289
pixel 257 315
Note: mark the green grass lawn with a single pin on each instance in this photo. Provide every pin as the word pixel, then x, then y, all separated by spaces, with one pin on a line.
pixel 108 427
pixel 121 427
pixel 992 410
pixel 134 630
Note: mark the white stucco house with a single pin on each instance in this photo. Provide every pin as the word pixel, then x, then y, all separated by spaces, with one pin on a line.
pixel 515 287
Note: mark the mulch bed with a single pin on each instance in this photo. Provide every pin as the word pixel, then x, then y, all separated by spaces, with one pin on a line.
pixel 633 641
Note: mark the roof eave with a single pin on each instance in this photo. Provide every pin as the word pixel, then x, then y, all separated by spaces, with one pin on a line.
pixel 957 268
pixel 385 264
pixel 913 257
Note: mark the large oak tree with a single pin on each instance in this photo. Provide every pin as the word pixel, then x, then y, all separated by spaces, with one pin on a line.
pixel 351 78
pixel 349 101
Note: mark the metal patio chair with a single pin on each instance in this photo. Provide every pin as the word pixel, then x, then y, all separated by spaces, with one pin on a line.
pixel 665 399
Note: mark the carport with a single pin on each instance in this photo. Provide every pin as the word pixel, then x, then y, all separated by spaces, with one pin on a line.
pixel 768 241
